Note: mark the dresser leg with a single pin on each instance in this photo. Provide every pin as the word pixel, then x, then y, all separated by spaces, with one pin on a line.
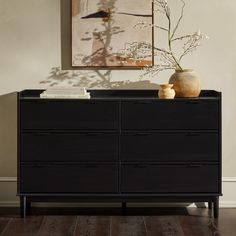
pixel 124 208
pixel 210 205
pixel 23 206
pixel 123 205
pixel 216 207
pixel 28 206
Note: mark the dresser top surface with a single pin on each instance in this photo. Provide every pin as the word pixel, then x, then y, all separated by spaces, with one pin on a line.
pixel 122 95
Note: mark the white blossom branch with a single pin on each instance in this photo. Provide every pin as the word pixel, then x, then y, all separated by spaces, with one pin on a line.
pixel 182 37
pixel 155 70
pixel 144 25
pixel 167 58
pixel 193 43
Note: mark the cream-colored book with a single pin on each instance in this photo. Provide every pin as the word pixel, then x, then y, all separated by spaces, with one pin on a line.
pixel 69 96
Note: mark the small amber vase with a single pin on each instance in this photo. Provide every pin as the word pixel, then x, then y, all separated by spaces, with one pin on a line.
pixel 166 91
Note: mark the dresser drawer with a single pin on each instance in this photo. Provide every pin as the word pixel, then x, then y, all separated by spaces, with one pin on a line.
pixel 58 147
pixel 192 114
pixel 91 178
pixel 170 146
pixel 57 114
pixel 170 178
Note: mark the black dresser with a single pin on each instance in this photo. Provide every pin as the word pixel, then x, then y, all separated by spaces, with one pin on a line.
pixel 119 146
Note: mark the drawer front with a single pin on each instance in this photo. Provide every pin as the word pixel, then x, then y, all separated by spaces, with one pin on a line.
pixel 170 147
pixel 65 147
pixel 91 178
pixel 53 114
pixel 199 114
pixel 170 179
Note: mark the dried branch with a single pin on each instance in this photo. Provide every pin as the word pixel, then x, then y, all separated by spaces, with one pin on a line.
pixel 193 43
pixel 179 20
pixel 181 38
pixel 155 70
pixel 167 58
pixel 161 50
pixel 144 25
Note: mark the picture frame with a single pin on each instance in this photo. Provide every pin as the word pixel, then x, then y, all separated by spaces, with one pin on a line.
pixel 104 36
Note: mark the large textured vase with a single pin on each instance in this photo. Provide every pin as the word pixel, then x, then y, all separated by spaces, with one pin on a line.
pixel 186 83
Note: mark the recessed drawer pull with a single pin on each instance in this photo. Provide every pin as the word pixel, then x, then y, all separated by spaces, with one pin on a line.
pixel 141 134
pixel 193 134
pixel 40 166
pixel 194 166
pixel 140 166
pixel 41 134
pixel 90 166
pixel 92 134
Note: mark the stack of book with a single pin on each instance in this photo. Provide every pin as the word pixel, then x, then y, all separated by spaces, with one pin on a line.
pixel 65 92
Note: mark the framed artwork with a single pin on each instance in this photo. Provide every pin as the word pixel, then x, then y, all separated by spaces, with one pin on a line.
pixel 104 34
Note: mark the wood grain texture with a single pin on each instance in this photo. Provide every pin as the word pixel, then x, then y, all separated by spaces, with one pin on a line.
pixel 58 226
pixel 23 227
pixel 195 226
pixel 3 223
pixel 201 222
pixel 93 226
pixel 163 226
pixel 196 222
pixel 128 226
pixel 226 224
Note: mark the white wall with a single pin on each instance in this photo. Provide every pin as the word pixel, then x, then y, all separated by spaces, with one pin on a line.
pixel 30 47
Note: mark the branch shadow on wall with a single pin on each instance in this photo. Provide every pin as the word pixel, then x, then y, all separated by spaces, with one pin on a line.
pixel 94 79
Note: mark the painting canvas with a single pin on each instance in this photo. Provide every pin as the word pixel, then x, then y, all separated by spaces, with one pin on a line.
pixel 103 33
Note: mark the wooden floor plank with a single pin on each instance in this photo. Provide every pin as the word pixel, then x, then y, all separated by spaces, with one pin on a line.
pixel 196 226
pixel 23 227
pixel 201 222
pixel 163 226
pixel 127 226
pixel 3 223
pixel 93 226
pixel 197 221
pixel 58 226
pixel 226 222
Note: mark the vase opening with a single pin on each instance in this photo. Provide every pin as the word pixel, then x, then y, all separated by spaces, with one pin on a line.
pixel 165 86
pixel 184 70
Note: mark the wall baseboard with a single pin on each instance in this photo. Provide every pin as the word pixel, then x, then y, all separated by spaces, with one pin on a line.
pixel 8 179
pixel 227 204
pixel 229 179
pixel 9 203
pixel 228 200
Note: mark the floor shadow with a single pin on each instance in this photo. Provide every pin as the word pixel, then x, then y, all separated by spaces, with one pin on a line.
pixel 97 211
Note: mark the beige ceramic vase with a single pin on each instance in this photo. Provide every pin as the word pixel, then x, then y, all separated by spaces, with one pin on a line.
pixel 166 91
pixel 186 83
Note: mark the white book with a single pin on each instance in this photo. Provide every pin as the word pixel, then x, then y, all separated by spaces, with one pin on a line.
pixel 69 96
pixel 66 90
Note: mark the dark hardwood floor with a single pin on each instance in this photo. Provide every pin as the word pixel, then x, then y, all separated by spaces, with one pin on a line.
pixel 114 222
